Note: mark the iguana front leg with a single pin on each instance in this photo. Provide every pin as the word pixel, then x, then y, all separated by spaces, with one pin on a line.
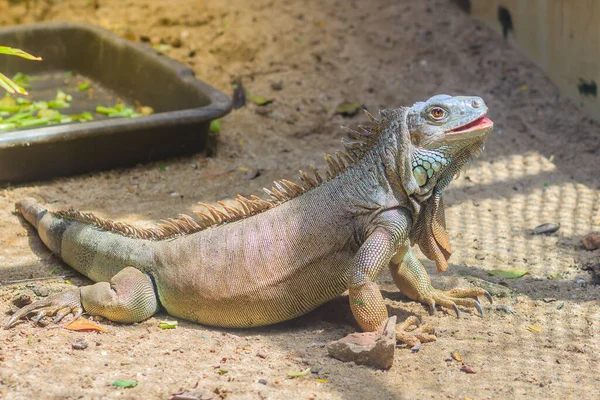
pixel 366 301
pixel 129 297
pixel 412 280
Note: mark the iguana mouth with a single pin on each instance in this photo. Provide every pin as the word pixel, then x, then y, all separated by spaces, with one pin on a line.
pixel 480 124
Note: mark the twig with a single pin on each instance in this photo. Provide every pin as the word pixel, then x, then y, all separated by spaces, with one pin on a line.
pixel 47 278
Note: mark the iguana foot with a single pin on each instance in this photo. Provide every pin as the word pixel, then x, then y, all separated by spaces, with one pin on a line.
pixel 466 297
pixel 412 280
pixel 412 334
pixel 59 305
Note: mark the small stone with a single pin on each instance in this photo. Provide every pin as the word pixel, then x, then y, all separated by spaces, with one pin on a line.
pixel 262 354
pixel 467 369
pixel 591 241
pixel 277 85
pixel 262 381
pixel 41 291
pixel 22 301
pixel 79 344
pixel 505 308
pixel 176 42
pixel 367 348
pixel 546 228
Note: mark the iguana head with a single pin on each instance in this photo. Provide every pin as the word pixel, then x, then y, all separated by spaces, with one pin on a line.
pixel 445 132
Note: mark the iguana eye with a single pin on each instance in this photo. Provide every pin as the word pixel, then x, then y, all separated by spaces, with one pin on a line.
pixel 437 113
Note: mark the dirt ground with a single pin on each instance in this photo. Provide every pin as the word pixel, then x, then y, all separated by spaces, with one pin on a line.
pixel 540 339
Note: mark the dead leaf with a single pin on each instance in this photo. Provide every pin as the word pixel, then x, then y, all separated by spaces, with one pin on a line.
pixel 238 100
pixel 85 325
pixel 298 374
pixel 534 328
pixel 456 355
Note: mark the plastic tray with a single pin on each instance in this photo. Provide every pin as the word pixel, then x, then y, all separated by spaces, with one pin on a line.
pixel 118 70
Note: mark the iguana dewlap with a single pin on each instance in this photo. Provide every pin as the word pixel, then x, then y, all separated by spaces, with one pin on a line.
pixel 267 261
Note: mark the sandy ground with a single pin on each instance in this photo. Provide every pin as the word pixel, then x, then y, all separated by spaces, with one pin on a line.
pixel 540 165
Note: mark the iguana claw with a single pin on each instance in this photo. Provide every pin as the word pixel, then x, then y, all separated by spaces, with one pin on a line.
pixel 59 304
pixel 456 310
pixel 466 297
pixel 480 309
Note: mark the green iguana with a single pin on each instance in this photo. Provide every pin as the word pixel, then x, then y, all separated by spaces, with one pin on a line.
pixel 267 261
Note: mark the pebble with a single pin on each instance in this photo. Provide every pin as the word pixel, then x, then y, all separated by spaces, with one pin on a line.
pixel 79 344
pixel 367 348
pixel 591 241
pixel 546 228
pixel 41 291
pixel 507 309
pixel 22 301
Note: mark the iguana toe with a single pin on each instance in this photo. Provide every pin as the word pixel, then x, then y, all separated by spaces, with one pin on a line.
pixel 465 297
pixel 412 334
pixel 60 304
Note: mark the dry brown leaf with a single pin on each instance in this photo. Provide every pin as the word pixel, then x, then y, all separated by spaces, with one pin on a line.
pixel 534 328
pixel 456 355
pixel 85 325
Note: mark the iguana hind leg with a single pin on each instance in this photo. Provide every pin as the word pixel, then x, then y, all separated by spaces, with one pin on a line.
pixel 129 297
pixel 412 280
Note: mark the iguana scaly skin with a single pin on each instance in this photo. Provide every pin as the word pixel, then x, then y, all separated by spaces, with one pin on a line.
pixel 268 261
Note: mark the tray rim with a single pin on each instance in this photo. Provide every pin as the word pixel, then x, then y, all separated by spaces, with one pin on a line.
pixel 219 104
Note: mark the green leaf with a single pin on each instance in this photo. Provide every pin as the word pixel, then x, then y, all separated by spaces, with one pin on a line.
pixel 215 126
pixel 22 80
pixel 359 302
pixel 63 97
pixel 260 100
pixel 10 86
pixel 167 324
pixel 348 109
pixel 125 384
pixel 84 116
pixel 18 52
pixel 8 103
pixel 509 273
pixel 51 115
pixel 53 271
pixel 298 374
pixel 8 126
pixel 83 86
pixel 28 123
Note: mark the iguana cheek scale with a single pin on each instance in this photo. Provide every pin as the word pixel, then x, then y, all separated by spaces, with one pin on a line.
pixel 267 261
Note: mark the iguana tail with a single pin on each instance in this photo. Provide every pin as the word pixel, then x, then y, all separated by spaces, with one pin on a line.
pixel 98 254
